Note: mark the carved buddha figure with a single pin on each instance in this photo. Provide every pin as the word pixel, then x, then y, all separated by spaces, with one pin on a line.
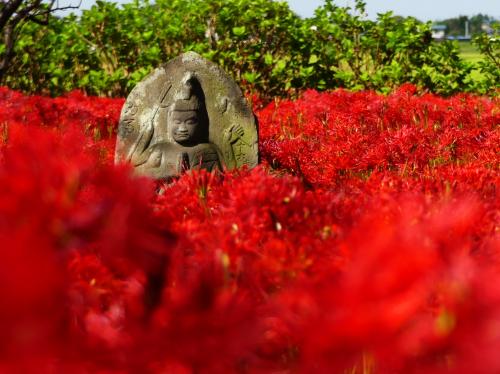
pixel 186 114
pixel 189 148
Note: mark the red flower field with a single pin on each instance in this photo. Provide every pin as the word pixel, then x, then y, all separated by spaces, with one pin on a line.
pixel 368 241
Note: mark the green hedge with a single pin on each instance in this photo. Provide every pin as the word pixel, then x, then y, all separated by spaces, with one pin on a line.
pixel 266 46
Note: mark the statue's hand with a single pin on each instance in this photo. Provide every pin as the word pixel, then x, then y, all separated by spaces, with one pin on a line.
pixel 234 133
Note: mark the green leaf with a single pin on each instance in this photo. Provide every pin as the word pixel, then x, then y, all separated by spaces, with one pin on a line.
pixel 268 59
pixel 239 31
pixel 306 71
pixel 147 35
pixel 251 77
pixel 280 65
pixel 313 59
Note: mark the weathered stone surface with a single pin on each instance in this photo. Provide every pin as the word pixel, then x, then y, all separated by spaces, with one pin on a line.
pixel 186 114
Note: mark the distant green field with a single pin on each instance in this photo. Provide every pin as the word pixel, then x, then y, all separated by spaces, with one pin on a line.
pixel 469 52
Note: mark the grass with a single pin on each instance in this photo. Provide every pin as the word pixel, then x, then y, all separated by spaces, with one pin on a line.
pixel 469 52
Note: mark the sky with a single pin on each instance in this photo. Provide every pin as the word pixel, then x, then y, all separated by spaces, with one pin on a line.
pixel 424 10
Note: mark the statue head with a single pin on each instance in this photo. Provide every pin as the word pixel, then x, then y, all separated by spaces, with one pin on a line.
pixel 188 118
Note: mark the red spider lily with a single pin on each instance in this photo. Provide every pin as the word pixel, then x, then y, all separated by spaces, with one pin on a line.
pixel 367 242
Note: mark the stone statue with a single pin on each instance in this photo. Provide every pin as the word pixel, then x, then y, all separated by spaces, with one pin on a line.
pixel 188 114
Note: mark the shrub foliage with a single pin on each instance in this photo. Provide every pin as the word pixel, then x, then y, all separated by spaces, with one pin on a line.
pixel 267 48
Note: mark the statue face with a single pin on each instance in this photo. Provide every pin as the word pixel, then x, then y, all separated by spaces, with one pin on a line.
pixel 185 127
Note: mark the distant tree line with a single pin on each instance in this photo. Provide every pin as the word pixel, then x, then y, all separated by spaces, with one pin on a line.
pixel 479 23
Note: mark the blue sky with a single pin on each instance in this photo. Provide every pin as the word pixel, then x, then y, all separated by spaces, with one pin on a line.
pixel 422 9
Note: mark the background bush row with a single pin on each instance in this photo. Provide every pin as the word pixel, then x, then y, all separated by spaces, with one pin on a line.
pixel 267 47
